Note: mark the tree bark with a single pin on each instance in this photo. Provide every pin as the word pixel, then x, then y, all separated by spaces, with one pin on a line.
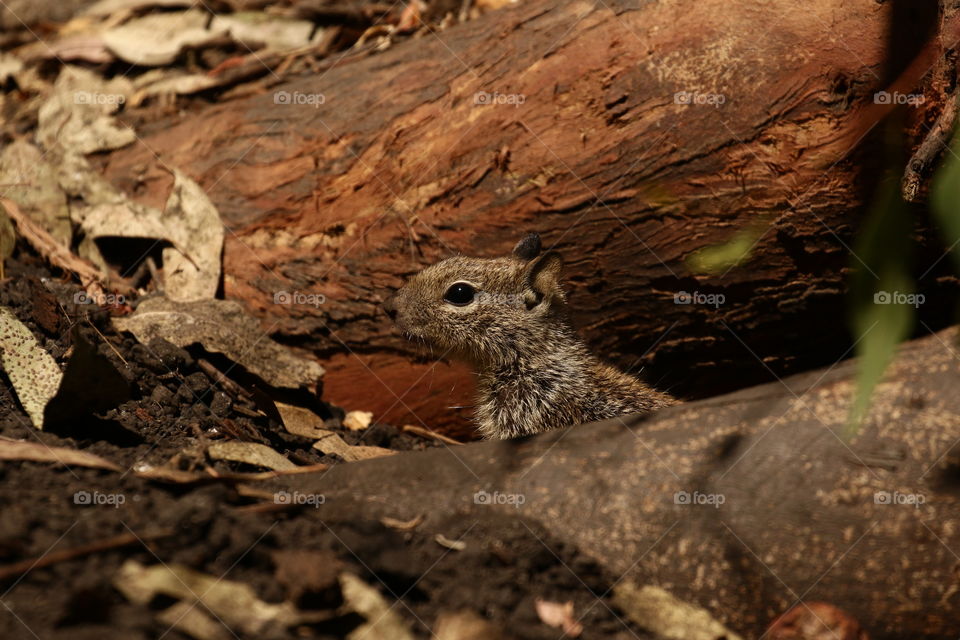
pixel 744 504
pixel 578 132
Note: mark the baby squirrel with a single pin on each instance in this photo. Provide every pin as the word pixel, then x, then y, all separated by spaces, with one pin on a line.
pixel 508 318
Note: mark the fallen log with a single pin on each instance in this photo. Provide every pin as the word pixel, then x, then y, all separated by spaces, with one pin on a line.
pixel 630 135
pixel 746 504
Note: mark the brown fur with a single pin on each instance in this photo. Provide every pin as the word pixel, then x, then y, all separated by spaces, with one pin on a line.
pixel 534 372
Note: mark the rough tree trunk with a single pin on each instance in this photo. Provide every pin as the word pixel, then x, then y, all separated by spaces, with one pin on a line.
pixel 868 525
pixel 400 167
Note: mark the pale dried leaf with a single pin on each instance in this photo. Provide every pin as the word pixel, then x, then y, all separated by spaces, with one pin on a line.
pixel 253 453
pixel 10 66
pixel 76 117
pixel 196 230
pixel 657 610
pixel 465 625
pixel 234 602
pixel 39 452
pixel 33 184
pixel 32 371
pixel 157 39
pixel 357 420
pixel 221 326
pixel 193 621
pixel 331 443
pixel 383 621
pixel 105 8
pixel 301 422
pixel 558 615
pixel 163 82
pixel 255 30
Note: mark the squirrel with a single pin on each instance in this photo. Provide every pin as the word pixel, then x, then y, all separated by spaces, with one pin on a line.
pixel 508 318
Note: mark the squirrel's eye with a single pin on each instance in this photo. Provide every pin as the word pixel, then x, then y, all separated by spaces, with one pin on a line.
pixel 460 294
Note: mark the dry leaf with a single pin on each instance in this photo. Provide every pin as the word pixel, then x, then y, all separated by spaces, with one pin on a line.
pixel 559 616
pixel 233 602
pixel 193 621
pixel 383 621
pixel 253 453
pixel 157 39
pixel 32 371
pixel 465 625
pixel 105 8
pixel 357 420
pixel 76 117
pixel 301 422
pixel 10 66
pixel 332 444
pixel 196 230
pixel 659 611
pixel 221 326
pixel 39 452
pixel 255 30
pixel 33 184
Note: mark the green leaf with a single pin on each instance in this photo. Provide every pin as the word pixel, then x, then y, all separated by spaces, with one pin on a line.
pixel 881 288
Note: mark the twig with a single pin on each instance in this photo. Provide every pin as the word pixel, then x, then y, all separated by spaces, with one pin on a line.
pixel 426 433
pixel 18 568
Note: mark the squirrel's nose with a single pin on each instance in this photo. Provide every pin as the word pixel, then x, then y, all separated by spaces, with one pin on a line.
pixel 390 306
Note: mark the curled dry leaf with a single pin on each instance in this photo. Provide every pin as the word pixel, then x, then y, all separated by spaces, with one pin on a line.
pixel 383 621
pixel 659 611
pixel 332 444
pixel 256 29
pixel 39 452
pixel 559 615
pixel 32 371
pixel 357 420
pixel 221 326
pixel 253 453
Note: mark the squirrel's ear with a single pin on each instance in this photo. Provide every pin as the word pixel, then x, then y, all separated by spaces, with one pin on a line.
pixel 543 277
pixel 529 247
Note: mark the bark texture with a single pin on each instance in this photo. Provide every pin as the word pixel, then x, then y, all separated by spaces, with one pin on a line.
pixel 564 117
pixel 868 524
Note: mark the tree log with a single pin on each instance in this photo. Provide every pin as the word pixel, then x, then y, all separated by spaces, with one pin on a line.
pixel 746 504
pixel 630 134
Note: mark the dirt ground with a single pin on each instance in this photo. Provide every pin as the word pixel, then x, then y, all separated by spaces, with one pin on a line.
pixel 284 552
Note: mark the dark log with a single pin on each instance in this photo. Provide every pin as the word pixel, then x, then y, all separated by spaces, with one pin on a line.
pixel 868 524
pixel 400 166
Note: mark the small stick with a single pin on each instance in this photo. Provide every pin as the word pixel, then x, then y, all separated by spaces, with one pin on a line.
pixel 426 433
pixel 58 255
pixel 18 568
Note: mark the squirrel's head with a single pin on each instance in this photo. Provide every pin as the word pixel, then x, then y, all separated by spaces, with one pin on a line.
pixel 483 309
